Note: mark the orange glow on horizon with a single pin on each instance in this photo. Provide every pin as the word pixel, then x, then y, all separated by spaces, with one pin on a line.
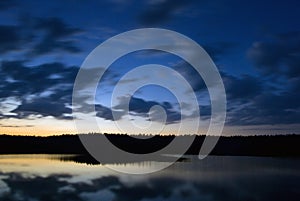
pixel 36 131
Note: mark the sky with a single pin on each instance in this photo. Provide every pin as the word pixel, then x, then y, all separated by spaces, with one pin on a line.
pixel 254 44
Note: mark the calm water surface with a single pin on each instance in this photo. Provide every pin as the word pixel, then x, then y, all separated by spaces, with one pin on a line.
pixel 58 177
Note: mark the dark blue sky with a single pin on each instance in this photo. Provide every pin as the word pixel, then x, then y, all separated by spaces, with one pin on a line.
pixel 255 45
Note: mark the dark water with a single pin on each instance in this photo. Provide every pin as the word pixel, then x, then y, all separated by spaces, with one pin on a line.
pixel 58 177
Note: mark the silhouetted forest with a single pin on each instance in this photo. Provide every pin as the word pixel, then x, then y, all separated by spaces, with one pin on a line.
pixel 280 145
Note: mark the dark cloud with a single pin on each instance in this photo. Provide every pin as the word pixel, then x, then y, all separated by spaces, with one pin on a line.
pixel 56 36
pixel 190 74
pixel 6 4
pixel 268 108
pixel 22 80
pixel 106 113
pixel 44 107
pixel 15 126
pixel 55 27
pixel 251 101
pixel 219 49
pixel 243 88
pixel 238 89
pixel 43 90
pixel 137 107
pixel 141 107
pixel 215 51
pixel 160 11
pixel 273 97
pixel 205 111
pixel 39 35
pixel 9 38
pixel 280 56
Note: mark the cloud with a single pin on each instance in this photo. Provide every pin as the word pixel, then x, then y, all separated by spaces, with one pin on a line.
pixel 43 107
pixel 251 99
pixel 243 88
pixel 161 11
pixel 9 38
pixel 268 108
pixel 137 107
pixel 43 90
pixel 218 49
pixel 141 107
pixel 272 97
pixel 166 186
pixel 215 51
pixel 106 113
pixel 16 126
pixel 40 36
pixel 56 36
pixel 254 102
pixel 191 75
pixel 281 56
pixel 22 80
pixel 260 99
pixel 6 4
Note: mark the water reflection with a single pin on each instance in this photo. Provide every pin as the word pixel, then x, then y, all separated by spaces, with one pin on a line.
pixel 57 177
pixel 89 160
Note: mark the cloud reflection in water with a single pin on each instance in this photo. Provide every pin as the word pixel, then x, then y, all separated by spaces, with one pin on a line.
pixel 215 178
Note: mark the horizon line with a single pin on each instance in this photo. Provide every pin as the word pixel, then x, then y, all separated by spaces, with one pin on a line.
pixel 162 135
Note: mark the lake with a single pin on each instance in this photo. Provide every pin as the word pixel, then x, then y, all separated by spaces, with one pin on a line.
pixel 58 177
